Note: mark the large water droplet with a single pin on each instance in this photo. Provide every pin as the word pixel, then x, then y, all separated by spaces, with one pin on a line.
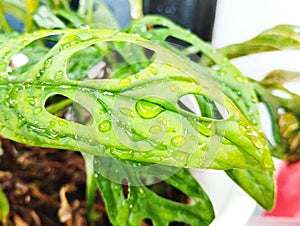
pixel 105 126
pixel 178 141
pixel 148 110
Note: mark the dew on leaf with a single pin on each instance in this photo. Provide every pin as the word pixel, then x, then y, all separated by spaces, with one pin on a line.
pixel 105 126
pixel 153 70
pixel 148 110
pixel 125 81
pixel 38 110
pixel 178 141
pixel 59 74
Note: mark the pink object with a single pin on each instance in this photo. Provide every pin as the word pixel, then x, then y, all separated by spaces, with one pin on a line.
pixel 288 192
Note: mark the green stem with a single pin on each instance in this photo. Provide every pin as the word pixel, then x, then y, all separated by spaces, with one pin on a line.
pixel 136 9
pixel 90 11
pixel 91 188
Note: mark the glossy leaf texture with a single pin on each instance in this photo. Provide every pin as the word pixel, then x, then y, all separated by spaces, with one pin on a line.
pixel 230 81
pixel 137 117
pixel 142 203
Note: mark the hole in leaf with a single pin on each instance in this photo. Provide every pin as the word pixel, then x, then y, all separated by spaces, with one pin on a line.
pixel 146 222
pixel 125 188
pixel 203 106
pixel 87 63
pixel 167 191
pixel 186 48
pixel 126 59
pixel 109 59
pixel 281 94
pixel 293 86
pixel 179 43
pixel 30 55
pixel 67 109
pixel 177 223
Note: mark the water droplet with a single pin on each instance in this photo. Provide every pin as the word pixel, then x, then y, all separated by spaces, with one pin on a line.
pixel 253 99
pixel 155 129
pixel 40 73
pixel 62 123
pixel 220 72
pixel 178 141
pixel 105 126
pixel 148 110
pixel 201 146
pixel 169 127
pixel 59 74
pixel 253 136
pixel 137 76
pixel 127 111
pixel 48 62
pixel 38 110
pixel 52 123
pixel 125 81
pixel 153 70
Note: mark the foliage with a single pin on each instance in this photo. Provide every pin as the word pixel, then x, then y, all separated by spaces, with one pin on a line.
pixel 135 115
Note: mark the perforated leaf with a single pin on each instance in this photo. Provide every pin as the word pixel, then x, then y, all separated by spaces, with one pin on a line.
pixel 142 203
pixel 129 107
pixel 258 184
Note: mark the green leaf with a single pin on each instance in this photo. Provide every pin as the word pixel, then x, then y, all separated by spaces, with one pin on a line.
pixel 143 203
pixel 232 83
pixel 259 185
pixel 45 18
pixel 277 38
pixel 183 139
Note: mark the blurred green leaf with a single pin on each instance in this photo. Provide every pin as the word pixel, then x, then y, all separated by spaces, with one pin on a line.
pixel 142 203
pixel 4 208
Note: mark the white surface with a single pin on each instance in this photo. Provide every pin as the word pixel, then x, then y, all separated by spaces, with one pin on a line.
pixel 237 21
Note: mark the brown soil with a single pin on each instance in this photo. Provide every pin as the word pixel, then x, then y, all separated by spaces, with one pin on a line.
pixel 45 186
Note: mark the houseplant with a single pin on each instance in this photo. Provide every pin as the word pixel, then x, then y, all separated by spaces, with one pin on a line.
pixel 129 126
